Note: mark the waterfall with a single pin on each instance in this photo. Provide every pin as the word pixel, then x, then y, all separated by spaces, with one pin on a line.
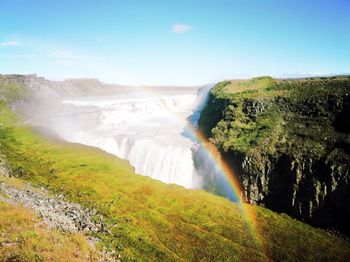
pixel 146 128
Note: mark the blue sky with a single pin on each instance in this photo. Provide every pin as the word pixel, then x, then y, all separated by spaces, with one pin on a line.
pixel 174 42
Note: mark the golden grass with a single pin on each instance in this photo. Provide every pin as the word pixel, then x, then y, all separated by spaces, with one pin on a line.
pixel 23 237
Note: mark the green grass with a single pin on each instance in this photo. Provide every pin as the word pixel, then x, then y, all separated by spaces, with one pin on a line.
pixel 152 221
pixel 256 83
pixel 233 129
pixel 236 130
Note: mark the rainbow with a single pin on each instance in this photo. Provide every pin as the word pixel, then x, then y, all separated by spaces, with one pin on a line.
pixel 232 188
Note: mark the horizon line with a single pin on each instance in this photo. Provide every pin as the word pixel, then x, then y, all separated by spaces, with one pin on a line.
pixel 284 76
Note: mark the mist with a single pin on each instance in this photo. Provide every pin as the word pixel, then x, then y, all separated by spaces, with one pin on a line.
pixel 144 125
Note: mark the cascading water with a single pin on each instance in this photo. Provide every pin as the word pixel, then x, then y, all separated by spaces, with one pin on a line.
pixel 154 129
pixel 146 128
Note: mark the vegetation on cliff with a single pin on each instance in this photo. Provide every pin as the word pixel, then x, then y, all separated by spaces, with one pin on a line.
pixel 289 142
pixel 152 221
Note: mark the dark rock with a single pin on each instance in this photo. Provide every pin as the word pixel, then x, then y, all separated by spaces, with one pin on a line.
pixel 293 155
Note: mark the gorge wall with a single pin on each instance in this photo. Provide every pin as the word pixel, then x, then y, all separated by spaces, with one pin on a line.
pixel 288 142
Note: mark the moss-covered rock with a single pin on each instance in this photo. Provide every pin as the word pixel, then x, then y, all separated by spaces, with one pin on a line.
pixel 289 143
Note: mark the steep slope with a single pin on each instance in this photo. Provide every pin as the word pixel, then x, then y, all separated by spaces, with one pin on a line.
pixel 151 221
pixel 289 143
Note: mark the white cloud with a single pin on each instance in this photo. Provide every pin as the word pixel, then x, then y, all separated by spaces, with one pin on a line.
pixel 10 43
pixel 181 28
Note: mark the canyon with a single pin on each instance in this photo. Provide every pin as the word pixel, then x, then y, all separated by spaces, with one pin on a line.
pixel 61 144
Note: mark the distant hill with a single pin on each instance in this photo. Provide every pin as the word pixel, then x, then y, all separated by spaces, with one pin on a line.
pixel 39 86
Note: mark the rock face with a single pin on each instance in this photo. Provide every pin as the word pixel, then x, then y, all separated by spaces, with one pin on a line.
pixel 289 144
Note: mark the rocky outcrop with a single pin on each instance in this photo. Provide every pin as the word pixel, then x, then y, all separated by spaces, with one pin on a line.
pixel 4 167
pixel 289 144
pixel 55 211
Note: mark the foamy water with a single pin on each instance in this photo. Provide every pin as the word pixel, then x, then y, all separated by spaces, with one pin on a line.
pixel 144 128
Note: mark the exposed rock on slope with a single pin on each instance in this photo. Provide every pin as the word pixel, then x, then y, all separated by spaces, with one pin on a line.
pixel 289 143
pixel 55 211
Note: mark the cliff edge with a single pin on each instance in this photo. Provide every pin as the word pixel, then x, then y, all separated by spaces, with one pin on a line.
pixel 288 142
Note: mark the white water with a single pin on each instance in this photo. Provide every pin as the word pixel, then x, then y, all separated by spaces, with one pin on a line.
pixel 144 128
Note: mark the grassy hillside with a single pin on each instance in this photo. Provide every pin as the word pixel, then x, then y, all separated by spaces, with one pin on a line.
pixel 152 221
